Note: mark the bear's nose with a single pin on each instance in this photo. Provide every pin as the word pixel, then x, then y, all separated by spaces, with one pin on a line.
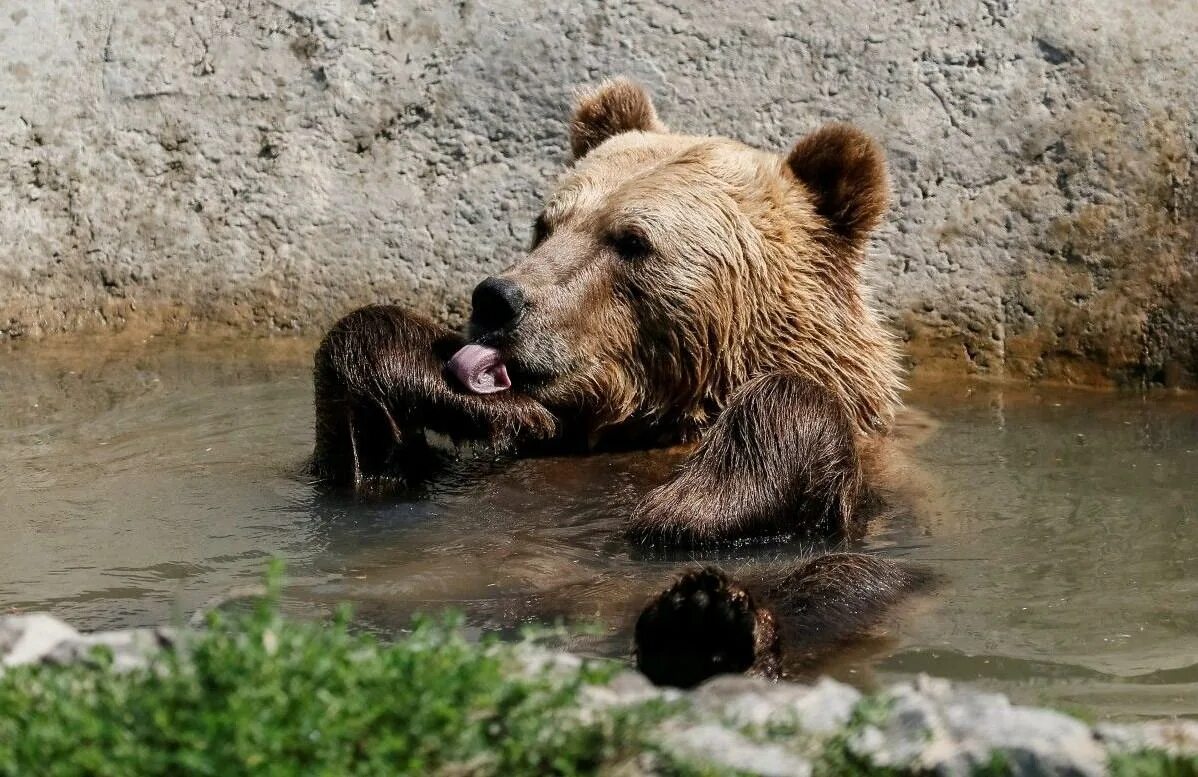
pixel 497 302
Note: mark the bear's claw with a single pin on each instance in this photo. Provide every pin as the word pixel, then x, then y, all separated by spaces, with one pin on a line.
pixel 703 625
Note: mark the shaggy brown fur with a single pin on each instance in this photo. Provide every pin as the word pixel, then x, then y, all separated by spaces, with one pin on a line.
pixel 615 107
pixel 781 619
pixel 781 456
pixel 673 269
pixel 669 271
pixel 678 289
pixel 380 384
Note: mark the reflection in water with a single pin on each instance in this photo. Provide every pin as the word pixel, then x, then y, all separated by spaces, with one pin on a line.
pixel 137 483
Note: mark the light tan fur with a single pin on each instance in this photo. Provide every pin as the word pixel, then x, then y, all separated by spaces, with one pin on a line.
pixel 753 267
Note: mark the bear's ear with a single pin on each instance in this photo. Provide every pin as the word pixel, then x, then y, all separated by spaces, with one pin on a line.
pixel 611 108
pixel 844 171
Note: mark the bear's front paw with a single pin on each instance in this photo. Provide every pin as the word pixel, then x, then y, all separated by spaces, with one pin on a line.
pixel 702 626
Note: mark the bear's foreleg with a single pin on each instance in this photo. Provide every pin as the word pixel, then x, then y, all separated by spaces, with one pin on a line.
pixel 380 383
pixel 768 621
pixel 780 459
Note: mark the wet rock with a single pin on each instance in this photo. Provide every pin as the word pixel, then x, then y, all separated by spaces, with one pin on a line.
pixel 128 649
pixel 626 688
pixel 41 638
pixel 535 660
pixel 816 709
pixel 936 727
pixel 713 744
pixel 28 639
pixel 1175 736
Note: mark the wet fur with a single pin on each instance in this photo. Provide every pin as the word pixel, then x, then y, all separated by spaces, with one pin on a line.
pixel 742 325
pixel 380 384
pixel 764 622
pixel 780 459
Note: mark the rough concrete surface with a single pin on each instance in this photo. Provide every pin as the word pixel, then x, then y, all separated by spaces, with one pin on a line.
pixel 270 164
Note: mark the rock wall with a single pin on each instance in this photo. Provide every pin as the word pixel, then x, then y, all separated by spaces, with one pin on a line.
pixel 269 164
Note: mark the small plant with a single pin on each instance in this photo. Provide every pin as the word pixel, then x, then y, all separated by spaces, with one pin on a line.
pixel 1153 763
pixel 258 694
pixel 838 759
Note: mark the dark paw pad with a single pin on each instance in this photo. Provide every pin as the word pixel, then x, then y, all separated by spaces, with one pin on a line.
pixel 700 627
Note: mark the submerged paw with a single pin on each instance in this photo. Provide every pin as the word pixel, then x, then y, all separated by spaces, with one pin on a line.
pixel 700 627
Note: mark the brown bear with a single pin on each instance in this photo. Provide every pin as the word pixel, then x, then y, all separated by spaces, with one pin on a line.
pixel 679 290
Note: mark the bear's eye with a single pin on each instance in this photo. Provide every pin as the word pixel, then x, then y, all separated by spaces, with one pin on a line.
pixel 541 230
pixel 629 244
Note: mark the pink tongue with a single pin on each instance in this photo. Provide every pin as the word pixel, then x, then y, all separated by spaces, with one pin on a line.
pixel 480 369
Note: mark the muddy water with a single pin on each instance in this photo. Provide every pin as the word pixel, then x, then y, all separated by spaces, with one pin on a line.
pixel 138 480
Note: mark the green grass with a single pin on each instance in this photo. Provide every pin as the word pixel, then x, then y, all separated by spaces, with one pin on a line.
pixel 257 694
pixel 1154 763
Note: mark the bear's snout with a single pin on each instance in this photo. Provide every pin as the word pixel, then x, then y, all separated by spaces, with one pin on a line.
pixel 497 302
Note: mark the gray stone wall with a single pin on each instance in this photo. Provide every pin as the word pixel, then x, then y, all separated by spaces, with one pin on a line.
pixel 269 164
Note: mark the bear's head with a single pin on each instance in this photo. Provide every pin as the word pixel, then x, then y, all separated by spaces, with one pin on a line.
pixel 667 269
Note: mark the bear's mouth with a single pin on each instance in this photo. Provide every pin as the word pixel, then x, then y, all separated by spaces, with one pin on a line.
pixel 491 362
pixel 485 367
pixel 480 369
